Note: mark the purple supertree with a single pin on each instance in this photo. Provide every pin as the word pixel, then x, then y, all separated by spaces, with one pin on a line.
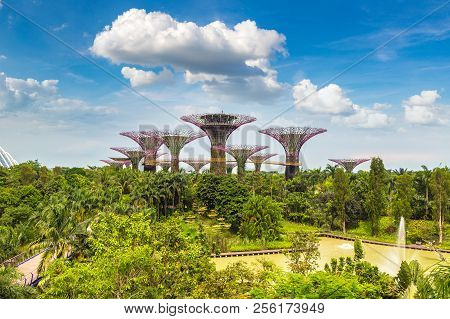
pixel 124 160
pixel 241 153
pixel 175 140
pixel 258 159
pixel 112 163
pixel 350 163
pixel 292 139
pixel 197 164
pixel 218 127
pixel 133 154
pixel 150 142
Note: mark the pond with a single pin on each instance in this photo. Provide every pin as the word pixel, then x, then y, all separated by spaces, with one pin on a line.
pixel 385 257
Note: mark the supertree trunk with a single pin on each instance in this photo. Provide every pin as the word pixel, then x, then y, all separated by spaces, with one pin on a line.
pixel 291 166
pixel 257 167
pixel 218 161
pixel 175 163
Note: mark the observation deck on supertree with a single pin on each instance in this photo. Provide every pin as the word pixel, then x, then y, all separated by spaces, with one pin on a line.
pixel 241 153
pixel 292 139
pixel 133 154
pixel 150 142
pixel 259 159
pixel 230 166
pixel 197 164
pixel 175 140
pixel 113 163
pixel 349 163
pixel 218 127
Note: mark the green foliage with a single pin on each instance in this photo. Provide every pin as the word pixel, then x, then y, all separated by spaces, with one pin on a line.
pixel 304 252
pixel 261 219
pixel 342 195
pixel 11 287
pixel 132 257
pixel 440 188
pixel 403 197
pixel 207 190
pixel 298 207
pixel 376 198
pixel 358 250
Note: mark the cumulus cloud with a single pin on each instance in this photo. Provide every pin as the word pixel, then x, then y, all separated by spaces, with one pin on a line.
pixel 227 61
pixel 422 109
pixel 3 57
pixel 332 100
pixel 29 94
pixel 364 118
pixel 142 78
pixel 328 100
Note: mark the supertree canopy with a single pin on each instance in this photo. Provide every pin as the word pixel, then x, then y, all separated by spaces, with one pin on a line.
pixel 241 153
pixel 175 140
pixel 350 164
pixel 218 127
pixel 197 164
pixel 258 159
pixel 124 160
pixel 133 154
pixel 112 163
pixel 150 142
pixel 292 139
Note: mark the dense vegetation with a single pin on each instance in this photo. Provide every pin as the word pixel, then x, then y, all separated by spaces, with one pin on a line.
pixel 127 234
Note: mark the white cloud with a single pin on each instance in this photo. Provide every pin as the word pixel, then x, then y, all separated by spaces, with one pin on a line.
pixel 331 99
pixel 2 57
pixel 230 62
pixel 422 109
pixel 328 100
pixel 364 118
pixel 30 94
pixel 141 78
pixel 60 27
pixel 191 109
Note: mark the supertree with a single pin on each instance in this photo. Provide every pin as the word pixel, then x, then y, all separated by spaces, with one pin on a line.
pixel 230 166
pixel 258 159
pixel 292 139
pixel 175 140
pixel 241 153
pixel 350 163
pixel 124 160
pixel 133 154
pixel 165 165
pixel 112 163
pixel 150 142
pixel 197 164
pixel 218 127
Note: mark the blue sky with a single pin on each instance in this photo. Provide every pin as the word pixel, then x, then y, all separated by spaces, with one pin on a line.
pixel 259 58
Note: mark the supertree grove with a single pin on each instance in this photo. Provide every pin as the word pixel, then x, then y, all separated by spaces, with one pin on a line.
pixel 112 163
pixel 218 127
pixel 135 155
pixel 349 164
pixel 197 164
pixel 241 153
pixel 292 139
pixel 259 159
pixel 175 140
pixel 150 142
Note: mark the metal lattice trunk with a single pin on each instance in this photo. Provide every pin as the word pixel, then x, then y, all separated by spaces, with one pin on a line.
pixel 259 159
pixel 218 127
pixel 150 142
pixel 196 164
pixel 135 155
pixel 241 154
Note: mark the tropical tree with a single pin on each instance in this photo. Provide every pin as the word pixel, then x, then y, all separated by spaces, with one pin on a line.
pixel 11 287
pixel 376 197
pixel 403 196
pixel 304 252
pixel 342 195
pixel 440 187
pixel 261 218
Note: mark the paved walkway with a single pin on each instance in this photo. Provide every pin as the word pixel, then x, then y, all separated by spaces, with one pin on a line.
pixel 29 267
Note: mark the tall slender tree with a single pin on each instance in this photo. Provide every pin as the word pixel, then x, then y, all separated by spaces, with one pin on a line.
pixel 376 197
pixel 341 195
pixel 440 188
pixel 403 196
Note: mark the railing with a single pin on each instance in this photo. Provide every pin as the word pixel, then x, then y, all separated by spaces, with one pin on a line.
pixel 23 257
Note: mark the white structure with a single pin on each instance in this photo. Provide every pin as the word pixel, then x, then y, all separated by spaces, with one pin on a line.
pixel 6 159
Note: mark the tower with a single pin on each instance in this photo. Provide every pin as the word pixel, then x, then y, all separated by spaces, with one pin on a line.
pixel 259 159
pixel 133 154
pixel 175 140
pixel 349 164
pixel 292 139
pixel 150 142
pixel 218 127
pixel 197 164
pixel 241 153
